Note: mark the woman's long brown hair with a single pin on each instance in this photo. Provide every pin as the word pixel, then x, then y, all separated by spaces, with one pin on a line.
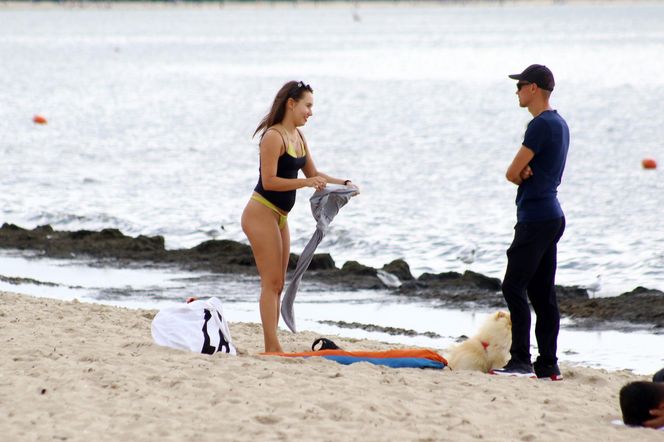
pixel 292 89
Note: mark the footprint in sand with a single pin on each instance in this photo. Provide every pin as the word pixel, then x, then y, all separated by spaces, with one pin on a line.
pixel 267 420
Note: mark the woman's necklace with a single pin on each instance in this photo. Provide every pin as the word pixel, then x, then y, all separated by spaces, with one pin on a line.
pixel 293 143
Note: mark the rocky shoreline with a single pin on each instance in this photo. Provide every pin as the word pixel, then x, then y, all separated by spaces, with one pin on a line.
pixel 641 308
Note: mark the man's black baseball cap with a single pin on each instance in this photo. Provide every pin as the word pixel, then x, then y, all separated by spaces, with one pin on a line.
pixel 538 74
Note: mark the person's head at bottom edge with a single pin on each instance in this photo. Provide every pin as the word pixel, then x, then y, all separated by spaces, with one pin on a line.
pixel 637 399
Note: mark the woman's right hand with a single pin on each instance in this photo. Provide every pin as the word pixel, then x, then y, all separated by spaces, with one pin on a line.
pixel 317 182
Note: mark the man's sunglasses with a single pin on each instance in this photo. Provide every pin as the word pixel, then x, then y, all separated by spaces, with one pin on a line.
pixel 520 85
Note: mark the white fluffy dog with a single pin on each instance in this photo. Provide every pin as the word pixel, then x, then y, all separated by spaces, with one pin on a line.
pixel 489 348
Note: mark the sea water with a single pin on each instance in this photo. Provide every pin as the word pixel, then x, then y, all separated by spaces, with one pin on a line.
pixel 151 111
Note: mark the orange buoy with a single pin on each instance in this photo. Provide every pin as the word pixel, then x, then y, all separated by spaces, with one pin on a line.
pixel 38 119
pixel 649 163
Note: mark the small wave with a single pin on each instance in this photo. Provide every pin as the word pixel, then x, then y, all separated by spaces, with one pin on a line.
pixel 395 331
pixel 14 280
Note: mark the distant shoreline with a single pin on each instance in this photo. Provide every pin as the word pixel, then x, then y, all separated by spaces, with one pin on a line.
pixel 248 4
pixel 641 307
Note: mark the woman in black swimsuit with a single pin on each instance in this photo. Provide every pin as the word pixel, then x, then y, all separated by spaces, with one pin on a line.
pixel 283 152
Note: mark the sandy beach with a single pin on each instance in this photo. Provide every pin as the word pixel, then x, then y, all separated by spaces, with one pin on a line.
pixel 79 371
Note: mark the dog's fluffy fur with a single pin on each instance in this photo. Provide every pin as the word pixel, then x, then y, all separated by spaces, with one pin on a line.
pixel 489 348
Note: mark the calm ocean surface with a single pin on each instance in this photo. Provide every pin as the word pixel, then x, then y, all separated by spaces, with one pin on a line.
pixel 151 114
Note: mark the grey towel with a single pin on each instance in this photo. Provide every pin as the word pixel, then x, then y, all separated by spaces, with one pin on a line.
pixel 325 205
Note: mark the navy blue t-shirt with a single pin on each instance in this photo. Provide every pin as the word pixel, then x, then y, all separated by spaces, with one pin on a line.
pixel 547 136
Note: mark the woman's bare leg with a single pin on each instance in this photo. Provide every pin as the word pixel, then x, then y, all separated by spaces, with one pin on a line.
pixel 261 225
pixel 285 247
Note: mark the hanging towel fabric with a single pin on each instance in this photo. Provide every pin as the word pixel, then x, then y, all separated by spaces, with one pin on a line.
pixel 325 205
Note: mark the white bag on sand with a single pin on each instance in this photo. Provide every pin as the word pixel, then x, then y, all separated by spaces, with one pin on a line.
pixel 199 326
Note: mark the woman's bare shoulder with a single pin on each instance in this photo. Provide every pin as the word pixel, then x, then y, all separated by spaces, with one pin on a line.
pixel 272 139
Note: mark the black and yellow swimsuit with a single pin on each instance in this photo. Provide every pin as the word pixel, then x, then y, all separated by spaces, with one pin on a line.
pixel 288 166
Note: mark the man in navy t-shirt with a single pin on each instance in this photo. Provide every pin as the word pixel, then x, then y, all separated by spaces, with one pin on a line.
pixel 537 169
